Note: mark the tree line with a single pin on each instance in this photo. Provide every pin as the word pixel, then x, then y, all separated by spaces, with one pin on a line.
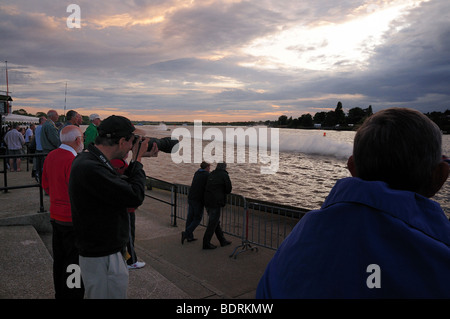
pixel 353 119
pixel 330 119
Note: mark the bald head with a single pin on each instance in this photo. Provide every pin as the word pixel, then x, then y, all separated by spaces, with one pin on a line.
pixel 71 135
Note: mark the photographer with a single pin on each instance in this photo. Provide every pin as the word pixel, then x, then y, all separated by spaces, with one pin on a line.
pixel 99 199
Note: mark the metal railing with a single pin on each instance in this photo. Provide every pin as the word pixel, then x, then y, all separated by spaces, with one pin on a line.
pixel 6 188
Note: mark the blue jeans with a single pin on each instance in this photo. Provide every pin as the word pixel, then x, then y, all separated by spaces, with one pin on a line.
pixel 194 217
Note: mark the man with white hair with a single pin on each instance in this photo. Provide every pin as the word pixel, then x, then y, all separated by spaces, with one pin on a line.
pixel 55 182
pixel 92 130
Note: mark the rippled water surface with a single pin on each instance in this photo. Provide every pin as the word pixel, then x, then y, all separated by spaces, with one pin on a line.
pixel 309 165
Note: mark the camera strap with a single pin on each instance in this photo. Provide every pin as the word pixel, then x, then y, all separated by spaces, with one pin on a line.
pixel 102 158
pixel 137 152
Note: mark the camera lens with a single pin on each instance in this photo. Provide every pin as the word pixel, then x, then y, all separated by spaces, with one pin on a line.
pixel 165 144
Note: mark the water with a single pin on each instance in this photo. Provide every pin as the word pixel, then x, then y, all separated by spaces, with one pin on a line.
pixel 309 166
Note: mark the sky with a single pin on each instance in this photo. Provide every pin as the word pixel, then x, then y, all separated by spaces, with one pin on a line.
pixel 224 60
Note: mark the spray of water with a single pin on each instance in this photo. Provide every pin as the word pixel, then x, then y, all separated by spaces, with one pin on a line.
pixel 315 144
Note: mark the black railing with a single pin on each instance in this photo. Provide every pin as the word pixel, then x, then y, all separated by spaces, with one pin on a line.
pixel 6 188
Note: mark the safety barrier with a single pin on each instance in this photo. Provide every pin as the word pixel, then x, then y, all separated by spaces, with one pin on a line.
pixel 6 188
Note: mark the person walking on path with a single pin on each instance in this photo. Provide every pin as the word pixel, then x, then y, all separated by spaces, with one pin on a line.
pixel 217 188
pixel 99 199
pixel 196 201
pixel 55 181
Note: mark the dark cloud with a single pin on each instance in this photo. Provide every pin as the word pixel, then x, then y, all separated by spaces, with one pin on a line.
pixel 194 58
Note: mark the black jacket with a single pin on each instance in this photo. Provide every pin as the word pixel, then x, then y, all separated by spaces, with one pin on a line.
pixel 198 186
pixel 217 188
pixel 99 199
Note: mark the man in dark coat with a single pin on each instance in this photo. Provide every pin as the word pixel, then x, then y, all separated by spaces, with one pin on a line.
pixel 217 188
pixel 196 200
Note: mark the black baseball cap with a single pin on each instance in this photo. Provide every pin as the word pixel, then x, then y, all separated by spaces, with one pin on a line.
pixel 116 126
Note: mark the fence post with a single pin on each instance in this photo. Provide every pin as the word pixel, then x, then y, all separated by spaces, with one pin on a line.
pixel 41 199
pixel 245 245
pixel 174 191
pixel 5 178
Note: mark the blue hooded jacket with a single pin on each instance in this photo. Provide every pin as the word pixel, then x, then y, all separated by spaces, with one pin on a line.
pixel 367 241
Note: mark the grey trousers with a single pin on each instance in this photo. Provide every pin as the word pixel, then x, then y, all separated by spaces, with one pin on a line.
pixel 104 277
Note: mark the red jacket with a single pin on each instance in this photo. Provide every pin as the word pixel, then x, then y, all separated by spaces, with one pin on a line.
pixel 55 182
pixel 120 166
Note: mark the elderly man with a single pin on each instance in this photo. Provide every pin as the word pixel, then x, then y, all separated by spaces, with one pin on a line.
pixel 92 130
pixel 49 133
pixel 100 199
pixel 377 235
pixel 55 181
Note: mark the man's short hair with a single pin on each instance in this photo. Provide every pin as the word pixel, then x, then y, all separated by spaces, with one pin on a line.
pixel 71 114
pixel 204 165
pixel 398 146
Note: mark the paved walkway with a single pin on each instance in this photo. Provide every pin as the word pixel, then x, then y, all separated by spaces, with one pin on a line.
pixel 172 271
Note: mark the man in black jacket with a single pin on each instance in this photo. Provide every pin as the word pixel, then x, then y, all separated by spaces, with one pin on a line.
pixel 217 188
pixel 196 201
pixel 99 199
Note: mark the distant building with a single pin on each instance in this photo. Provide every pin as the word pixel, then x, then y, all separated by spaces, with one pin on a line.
pixel 5 105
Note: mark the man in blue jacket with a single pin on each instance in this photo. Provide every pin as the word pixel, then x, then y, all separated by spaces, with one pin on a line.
pixel 377 235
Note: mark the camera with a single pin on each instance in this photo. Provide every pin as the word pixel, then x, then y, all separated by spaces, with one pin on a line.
pixel 165 144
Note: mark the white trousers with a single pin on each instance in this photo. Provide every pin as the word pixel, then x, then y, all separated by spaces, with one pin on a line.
pixel 104 277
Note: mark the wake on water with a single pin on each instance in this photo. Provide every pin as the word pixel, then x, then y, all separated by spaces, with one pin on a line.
pixel 288 140
pixel 315 145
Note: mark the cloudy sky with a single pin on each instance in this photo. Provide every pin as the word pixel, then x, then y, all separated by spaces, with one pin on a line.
pixel 225 60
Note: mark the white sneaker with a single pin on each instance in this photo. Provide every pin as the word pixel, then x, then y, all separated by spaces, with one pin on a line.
pixel 136 265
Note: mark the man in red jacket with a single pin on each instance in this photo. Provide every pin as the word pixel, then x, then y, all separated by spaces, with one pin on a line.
pixel 55 181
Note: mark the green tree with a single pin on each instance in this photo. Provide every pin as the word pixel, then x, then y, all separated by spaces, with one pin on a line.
pixel 306 120
pixel 356 115
pixel 282 120
pixel 339 114
pixel 319 117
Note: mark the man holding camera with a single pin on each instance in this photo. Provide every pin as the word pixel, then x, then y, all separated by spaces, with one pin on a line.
pixel 99 200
